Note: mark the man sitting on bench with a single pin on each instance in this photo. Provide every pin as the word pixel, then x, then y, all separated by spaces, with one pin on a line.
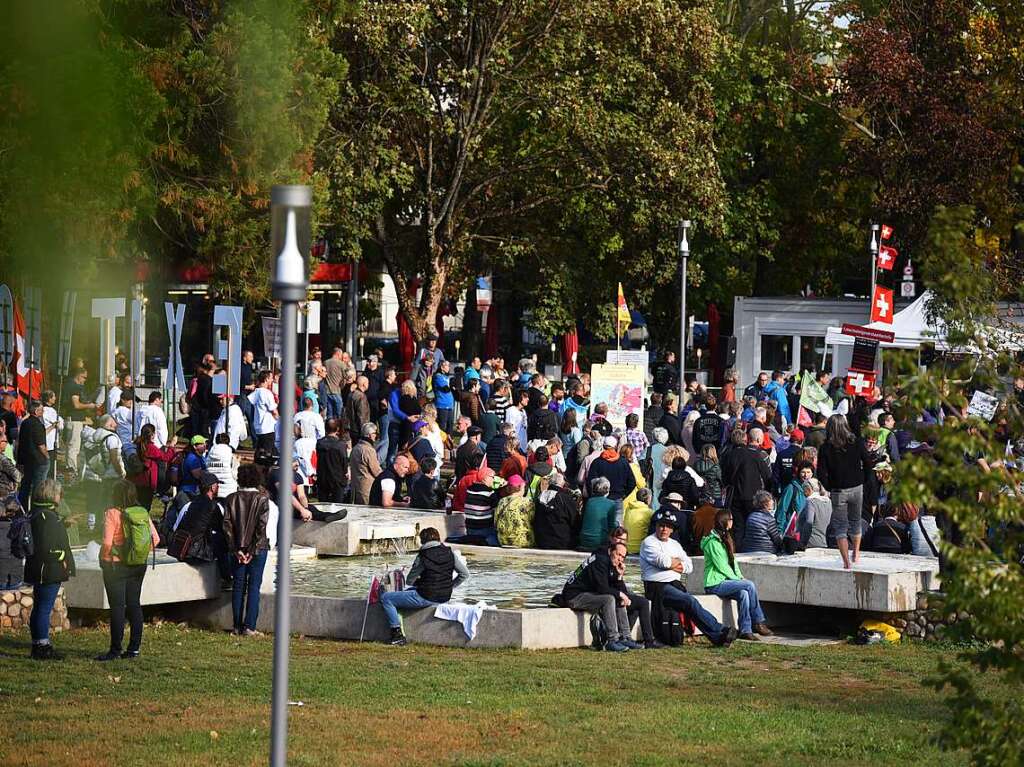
pixel 662 563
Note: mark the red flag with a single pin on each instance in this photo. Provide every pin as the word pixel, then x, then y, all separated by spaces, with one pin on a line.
pixel 886 258
pixel 859 383
pixel 792 529
pixel 881 305
pixel 886 231
pixel 803 418
pixel 28 381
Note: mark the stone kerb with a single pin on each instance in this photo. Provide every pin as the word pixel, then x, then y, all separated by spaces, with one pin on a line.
pixel 16 607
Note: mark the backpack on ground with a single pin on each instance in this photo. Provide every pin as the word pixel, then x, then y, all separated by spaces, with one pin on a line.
pixel 138 537
pixel 20 535
pixel 598 632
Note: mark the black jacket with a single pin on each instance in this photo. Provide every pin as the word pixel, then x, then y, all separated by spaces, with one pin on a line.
pixel 435 581
pixel 842 469
pixel 595 575
pixel 652 417
pixel 746 471
pixel 682 482
pixel 674 427
pixel 331 469
pixel 51 560
pixel 541 424
pixel 462 456
pixel 556 520
pixel 707 430
pixel 31 435
pixel 425 492
pixel 889 536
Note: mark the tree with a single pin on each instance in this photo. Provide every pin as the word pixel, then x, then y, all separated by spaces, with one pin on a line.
pixel 472 136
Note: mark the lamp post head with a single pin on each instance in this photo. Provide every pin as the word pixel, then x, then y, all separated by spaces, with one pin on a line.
pixel 681 238
pixel 873 243
pixel 290 208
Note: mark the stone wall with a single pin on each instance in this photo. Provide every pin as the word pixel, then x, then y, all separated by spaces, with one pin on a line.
pixel 16 606
pixel 930 619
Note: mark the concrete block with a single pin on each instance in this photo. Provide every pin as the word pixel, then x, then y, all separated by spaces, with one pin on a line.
pixel 885 583
pixel 366 530
pixel 169 582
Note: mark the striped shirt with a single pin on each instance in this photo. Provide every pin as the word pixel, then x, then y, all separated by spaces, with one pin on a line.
pixel 480 503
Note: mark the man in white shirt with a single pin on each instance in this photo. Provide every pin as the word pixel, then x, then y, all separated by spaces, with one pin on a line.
pixel 153 413
pixel 231 422
pixel 114 394
pixel 310 422
pixel 264 414
pixel 516 415
pixel 662 564
pixel 123 420
pixel 52 422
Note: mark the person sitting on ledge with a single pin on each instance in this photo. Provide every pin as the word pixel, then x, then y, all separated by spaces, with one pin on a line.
pixel 435 573
pixel 662 565
pixel 425 490
pixel 599 515
pixel 594 586
pixel 385 488
pixel 722 577
pixel 762 532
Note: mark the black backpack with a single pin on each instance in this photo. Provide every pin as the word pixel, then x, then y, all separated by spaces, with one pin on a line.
pixel 598 632
pixel 20 533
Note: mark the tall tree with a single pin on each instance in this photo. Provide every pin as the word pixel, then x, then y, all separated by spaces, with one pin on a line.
pixel 470 134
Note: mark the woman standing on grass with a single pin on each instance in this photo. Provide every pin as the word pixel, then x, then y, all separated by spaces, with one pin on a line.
pixel 153 457
pixel 50 565
pixel 722 577
pixel 247 521
pixel 123 580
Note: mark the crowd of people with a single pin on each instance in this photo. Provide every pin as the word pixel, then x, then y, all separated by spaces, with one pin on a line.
pixel 532 464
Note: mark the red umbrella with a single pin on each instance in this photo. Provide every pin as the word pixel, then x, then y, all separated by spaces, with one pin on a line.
pixel 570 348
pixel 491 334
pixel 406 343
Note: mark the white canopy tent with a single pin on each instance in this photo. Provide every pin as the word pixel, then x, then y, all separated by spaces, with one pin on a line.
pixel 912 329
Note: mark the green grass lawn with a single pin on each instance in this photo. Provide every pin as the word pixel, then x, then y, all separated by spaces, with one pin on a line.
pixel 199 697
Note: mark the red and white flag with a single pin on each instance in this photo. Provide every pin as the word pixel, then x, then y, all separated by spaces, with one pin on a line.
pixel 881 305
pixel 886 258
pixel 859 383
pixel 30 382
pixel 886 231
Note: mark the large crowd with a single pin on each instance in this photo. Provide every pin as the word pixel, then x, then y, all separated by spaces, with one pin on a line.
pixel 784 464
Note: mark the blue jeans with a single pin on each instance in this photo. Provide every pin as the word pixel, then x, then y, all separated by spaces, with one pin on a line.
pixel 690 606
pixel 44 596
pixel 245 590
pixel 393 601
pixel 334 405
pixel 747 605
pixel 31 481
pixel 383 439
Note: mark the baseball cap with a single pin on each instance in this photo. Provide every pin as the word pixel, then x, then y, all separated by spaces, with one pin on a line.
pixel 199 439
pixel 674 497
pixel 797 434
pixel 207 480
pixel 666 518
pixel 418 425
pixel 474 431
pixel 610 441
pixel 516 481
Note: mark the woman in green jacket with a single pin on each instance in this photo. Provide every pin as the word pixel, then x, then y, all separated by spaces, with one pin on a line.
pixel 722 577
pixel 50 565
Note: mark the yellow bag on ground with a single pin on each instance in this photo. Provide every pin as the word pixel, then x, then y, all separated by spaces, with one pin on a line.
pixel 890 633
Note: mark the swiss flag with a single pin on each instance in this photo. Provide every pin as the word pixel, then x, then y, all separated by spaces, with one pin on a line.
pixel 30 382
pixel 860 383
pixel 886 231
pixel 881 305
pixel 886 257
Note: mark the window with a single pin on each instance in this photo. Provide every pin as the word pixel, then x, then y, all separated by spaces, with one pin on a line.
pixel 776 352
pixel 812 353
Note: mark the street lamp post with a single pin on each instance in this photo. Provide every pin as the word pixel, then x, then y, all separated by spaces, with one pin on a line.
pixel 873 251
pixel 289 234
pixel 683 246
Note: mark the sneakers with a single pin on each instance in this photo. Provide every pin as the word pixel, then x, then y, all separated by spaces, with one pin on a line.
pixel 251 633
pixel 336 516
pixel 109 655
pixel 616 647
pixel 654 644
pixel 750 637
pixel 631 644
pixel 45 652
pixel 763 630
pixel 398 638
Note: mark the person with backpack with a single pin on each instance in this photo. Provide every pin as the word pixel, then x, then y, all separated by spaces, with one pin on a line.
pixel 596 586
pixel 103 467
pixel 663 562
pixel 129 537
pixel 246 523
pixel 48 563
pixel 154 461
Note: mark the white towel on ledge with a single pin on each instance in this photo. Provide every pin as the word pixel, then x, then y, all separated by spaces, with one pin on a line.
pixel 467 615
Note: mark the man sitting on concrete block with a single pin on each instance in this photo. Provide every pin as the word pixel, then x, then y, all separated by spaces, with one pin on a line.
pixel 434 574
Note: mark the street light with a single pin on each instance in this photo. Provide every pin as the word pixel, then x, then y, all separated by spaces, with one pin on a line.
pixel 290 208
pixel 683 247
pixel 873 250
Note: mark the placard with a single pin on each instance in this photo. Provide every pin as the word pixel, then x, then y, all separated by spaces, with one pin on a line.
pixel 865 353
pixel 621 387
pixel 272 337
pixel 627 357
pixel 312 314
pixel 983 406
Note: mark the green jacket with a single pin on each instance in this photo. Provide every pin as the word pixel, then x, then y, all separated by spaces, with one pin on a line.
pixel 716 562
pixel 598 521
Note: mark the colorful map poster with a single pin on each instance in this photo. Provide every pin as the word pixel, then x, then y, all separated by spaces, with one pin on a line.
pixel 621 387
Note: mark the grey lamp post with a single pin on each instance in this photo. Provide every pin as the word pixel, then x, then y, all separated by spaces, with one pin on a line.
pixel 289 235
pixel 873 251
pixel 683 247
